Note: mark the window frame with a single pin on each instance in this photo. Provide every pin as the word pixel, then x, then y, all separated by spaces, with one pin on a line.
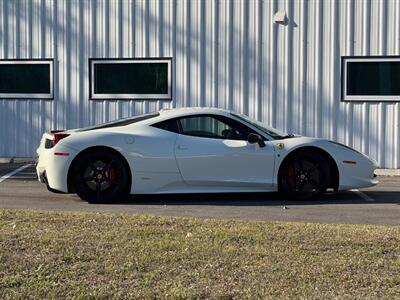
pixel 365 98
pixel 94 96
pixel 19 61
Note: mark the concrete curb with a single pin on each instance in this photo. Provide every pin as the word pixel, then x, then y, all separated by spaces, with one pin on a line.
pixel 6 160
pixel 387 172
pixel 16 160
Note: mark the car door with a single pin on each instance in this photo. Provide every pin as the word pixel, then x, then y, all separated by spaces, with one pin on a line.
pixel 213 150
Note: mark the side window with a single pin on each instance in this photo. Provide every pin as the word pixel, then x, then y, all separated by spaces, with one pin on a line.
pixel 217 127
pixel 168 125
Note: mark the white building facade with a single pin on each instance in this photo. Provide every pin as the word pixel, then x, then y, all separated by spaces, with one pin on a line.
pixel 316 68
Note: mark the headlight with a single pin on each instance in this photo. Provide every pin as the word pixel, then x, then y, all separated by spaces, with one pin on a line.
pixel 358 152
pixel 344 146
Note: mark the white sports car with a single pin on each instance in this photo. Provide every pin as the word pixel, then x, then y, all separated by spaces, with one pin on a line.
pixel 195 150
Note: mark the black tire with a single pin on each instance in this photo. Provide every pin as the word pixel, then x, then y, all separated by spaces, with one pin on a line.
pixel 304 175
pixel 100 177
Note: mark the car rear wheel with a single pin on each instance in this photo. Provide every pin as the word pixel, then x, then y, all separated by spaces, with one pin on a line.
pixel 100 177
pixel 304 175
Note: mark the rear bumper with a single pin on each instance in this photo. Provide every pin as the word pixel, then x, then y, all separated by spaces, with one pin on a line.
pixel 40 172
pixel 42 176
pixel 52 169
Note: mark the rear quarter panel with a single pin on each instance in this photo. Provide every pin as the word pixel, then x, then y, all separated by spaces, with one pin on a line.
pixel 149 152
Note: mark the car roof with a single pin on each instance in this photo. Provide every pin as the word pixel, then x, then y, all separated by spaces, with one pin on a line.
pixel 187 111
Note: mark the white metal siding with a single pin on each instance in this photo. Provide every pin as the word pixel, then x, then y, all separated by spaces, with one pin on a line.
pixel 227 54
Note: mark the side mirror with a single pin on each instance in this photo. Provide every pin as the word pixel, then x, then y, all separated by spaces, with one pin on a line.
pixel 255 138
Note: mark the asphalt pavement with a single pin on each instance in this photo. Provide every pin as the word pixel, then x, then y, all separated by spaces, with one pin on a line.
pixel 376 205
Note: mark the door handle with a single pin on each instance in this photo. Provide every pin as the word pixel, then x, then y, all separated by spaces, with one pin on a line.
pixel 181 147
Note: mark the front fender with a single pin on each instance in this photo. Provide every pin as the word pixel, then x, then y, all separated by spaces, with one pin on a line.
pixel 351 175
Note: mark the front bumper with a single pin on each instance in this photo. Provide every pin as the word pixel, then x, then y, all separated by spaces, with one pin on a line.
pixel 359 176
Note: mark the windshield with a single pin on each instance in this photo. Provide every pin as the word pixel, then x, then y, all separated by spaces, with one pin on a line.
pixel 272 132
pixel 122 122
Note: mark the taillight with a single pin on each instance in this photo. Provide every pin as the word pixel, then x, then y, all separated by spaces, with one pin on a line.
pixel 59 136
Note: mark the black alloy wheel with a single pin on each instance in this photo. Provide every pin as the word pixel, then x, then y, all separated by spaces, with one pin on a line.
pixel 100 177
pixel 304 176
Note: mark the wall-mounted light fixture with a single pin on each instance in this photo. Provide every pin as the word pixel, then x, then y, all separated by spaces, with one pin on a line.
pixel 280 17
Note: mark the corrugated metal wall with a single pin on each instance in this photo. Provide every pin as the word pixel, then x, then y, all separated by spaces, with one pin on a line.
pixel 227 54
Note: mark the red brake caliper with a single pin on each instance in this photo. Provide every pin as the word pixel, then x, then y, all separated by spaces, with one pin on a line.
pixel 111 175
pixel 290 174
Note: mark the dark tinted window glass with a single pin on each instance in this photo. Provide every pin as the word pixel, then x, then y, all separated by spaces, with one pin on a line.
pixel 169 125
pixel 373 78
pixel 218 127
pixel 24 78
pixel 131 78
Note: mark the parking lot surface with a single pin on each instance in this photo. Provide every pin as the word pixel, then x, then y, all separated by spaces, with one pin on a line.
pixel 375 205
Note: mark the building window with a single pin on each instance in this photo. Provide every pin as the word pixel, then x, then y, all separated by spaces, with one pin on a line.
pixel 130 78
pixel 23 78
pixel 371 78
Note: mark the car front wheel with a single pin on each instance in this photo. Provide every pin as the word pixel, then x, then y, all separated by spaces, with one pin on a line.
pixel 304 175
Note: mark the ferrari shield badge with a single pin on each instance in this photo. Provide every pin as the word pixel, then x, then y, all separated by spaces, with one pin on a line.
pixel 280 145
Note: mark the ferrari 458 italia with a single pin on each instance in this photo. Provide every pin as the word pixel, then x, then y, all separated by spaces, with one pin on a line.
pixel 195 150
